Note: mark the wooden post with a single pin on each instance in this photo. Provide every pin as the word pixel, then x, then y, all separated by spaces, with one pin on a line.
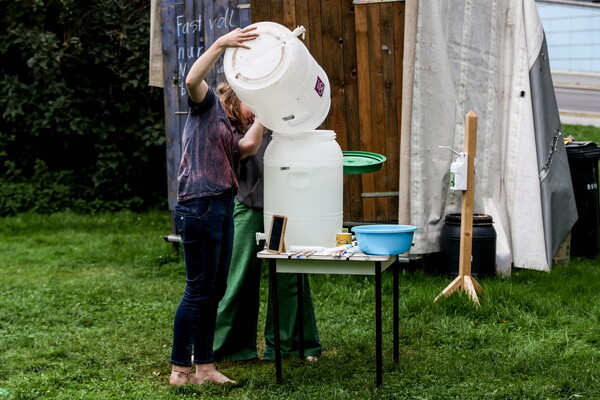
pixel 464 280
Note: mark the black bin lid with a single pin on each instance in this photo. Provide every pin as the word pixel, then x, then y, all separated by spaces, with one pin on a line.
pixel 585 149
pixel 478 219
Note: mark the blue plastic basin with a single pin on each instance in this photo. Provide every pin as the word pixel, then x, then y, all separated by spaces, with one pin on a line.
pixel 384 240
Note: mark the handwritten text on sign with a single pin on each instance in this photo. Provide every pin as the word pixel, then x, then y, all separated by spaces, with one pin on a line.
pixel 184 28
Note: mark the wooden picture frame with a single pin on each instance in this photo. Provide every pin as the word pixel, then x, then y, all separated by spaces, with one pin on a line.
pixel 275 243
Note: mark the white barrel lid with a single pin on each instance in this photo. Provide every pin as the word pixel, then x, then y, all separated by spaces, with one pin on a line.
pixel 264 60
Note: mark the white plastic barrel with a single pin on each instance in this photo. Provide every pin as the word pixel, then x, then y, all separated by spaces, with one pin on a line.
pixel 279 80
pixel 303 180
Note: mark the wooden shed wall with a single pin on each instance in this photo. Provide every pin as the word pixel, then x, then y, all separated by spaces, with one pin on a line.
pixel 360 47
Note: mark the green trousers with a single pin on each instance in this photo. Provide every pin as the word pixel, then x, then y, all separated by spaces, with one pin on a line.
pixel 237 317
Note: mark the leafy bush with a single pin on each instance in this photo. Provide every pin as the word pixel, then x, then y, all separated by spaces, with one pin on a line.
pixel 45 192
pixel 80 127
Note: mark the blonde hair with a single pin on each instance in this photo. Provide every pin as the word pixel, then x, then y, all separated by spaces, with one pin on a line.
pixel 232 105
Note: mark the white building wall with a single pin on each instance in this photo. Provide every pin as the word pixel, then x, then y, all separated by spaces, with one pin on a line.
pixel 573 36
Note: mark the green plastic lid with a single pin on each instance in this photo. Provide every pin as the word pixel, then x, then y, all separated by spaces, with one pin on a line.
pixel 361 162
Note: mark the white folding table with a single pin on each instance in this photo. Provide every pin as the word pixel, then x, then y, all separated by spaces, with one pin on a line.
pixel 354 264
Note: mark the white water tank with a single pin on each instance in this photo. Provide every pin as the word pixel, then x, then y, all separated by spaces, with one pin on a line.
pixel 303 180
pixel 279 80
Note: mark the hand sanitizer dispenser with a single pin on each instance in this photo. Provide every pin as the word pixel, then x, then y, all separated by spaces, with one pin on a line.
pixel 458 170
pixel 458 173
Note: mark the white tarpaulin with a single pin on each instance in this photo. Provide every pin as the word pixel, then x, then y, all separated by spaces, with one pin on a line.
pixel 487 56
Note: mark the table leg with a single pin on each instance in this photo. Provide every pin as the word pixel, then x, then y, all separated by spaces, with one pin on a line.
pixel 396 311
pixel 274 296
pixel 378 329
pixel 300 299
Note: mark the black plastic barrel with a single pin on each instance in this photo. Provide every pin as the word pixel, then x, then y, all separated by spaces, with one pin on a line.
pixel 483 263
pixel 583 163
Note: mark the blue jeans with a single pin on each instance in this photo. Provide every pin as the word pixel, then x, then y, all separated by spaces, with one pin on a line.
pixel 206 228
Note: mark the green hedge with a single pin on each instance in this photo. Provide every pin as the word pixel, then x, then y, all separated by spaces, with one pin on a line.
pixel 80 127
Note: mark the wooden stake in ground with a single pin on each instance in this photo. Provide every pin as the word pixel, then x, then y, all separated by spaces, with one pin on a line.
pixel 464 280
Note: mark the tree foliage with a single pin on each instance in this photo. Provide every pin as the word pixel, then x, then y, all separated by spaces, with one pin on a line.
pixel 80 128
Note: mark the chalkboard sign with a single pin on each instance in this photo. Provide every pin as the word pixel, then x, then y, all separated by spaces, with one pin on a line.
pixel 188 28
pixel 277 233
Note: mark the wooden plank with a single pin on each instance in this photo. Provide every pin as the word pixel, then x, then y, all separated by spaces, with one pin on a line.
pixel 334 24
pixel 392 91
pixel 371 137
pixel 244 12
pixel 352 183
pixel 207 35
pixel 466 226
pixel 314 38
pixel 171 98
pixel 383 112
pixel 364 95
pixel 221 22
pixel 289 14
pixel 260 10
pixel 394 147
pixel 378 128
pixel 302 19
pixel 277 11
pixel 333 65
pixel 350 81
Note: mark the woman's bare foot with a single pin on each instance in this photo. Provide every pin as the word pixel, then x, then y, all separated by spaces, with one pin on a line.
pixel 180 375
pixel 208 373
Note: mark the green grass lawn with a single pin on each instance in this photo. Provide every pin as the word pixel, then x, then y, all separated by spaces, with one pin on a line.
pixel 87 303
pixel 582 132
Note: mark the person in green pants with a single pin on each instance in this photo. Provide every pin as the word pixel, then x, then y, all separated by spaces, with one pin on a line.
pixel 237 316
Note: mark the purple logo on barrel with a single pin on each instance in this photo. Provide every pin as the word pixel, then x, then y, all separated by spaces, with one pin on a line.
pixel 319 87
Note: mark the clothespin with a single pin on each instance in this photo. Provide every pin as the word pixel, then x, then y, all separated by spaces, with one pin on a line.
pixel 340 253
